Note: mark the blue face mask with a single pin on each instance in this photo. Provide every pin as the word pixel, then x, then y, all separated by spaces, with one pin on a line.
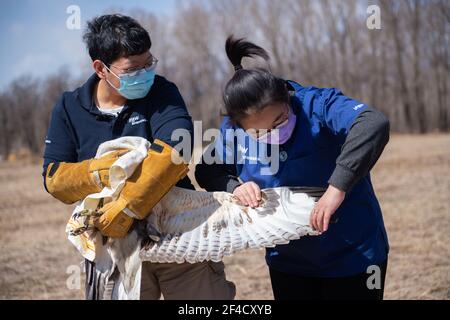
pixel 135 85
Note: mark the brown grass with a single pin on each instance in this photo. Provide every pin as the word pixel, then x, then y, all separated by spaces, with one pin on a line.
pixel 411 181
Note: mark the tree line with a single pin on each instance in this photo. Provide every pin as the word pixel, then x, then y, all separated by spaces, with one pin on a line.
pixel 402 68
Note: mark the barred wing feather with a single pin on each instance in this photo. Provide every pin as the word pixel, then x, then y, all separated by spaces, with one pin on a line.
pixel 194 226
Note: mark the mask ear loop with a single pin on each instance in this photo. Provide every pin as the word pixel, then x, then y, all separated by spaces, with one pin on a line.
pixel 114 75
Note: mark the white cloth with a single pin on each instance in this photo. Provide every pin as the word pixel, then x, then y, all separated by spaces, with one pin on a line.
pixel 90 243
pixel 191 226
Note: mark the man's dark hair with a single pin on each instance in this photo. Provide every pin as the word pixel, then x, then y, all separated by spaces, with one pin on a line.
pixel 111 37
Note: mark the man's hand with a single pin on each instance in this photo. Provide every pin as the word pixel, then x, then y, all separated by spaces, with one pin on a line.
pixel 326 207
pixel 249 194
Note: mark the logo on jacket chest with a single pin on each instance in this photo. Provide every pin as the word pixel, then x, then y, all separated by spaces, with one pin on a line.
pixel 135 120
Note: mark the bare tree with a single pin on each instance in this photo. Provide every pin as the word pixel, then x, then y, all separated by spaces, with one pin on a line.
pixel 402 69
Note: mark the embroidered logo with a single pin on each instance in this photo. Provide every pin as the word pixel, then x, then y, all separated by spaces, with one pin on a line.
pixel 135 120
pixel 359 106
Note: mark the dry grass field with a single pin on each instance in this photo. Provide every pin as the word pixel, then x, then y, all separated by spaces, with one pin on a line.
pixel 412 181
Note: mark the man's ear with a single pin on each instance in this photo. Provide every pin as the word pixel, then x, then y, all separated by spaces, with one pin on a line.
pixel 99 69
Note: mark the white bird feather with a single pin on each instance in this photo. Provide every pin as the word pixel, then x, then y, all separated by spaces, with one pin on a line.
pixel 193 226
pixel 186 225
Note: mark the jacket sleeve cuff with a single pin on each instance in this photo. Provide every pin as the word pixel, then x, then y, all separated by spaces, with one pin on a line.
pixel 343 178
pixel 232 184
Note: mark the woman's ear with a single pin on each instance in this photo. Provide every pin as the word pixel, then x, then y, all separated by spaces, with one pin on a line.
pixel 99 69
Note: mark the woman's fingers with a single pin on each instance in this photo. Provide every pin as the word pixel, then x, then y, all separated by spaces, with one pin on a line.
pixel 319 217
pixel 242 197
pixel 248 197
pixel 256 190
pixel 327 206
pixel 255 194
pixel 245 197
pixel 312 218
pixel 326 221
pixel 315 218
pixel 249 194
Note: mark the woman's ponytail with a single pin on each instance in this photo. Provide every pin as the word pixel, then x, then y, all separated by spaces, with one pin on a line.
pixel 250 90
pixel 237 49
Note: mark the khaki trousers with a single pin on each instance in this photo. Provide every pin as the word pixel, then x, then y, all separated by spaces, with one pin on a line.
pixel 185 281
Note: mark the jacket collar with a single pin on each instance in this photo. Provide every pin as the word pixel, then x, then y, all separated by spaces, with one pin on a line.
pixel 85 94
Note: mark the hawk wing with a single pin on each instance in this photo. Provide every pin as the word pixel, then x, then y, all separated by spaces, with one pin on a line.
pixel 194 226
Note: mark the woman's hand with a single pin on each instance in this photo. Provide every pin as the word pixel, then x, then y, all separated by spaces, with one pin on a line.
pixel 249 194
pixel 325 208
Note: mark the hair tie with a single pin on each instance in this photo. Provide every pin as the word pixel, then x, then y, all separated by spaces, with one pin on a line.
pixel 238 67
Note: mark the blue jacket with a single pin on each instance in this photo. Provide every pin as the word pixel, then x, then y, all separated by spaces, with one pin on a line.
pixel 358 239
pixel 77 127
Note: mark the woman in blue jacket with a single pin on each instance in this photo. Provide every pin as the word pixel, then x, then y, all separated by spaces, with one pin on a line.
pixel 324 139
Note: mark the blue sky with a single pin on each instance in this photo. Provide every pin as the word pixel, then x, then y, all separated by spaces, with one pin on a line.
pixel 35 40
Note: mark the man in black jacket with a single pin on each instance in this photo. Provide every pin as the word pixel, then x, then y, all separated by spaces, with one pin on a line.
pixel 124 97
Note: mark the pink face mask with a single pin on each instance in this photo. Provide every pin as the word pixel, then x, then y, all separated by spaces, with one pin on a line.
pixel 284 131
